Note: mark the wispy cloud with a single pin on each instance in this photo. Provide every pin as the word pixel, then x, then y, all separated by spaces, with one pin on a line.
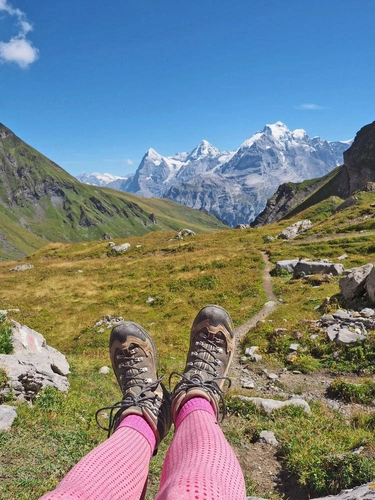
pixel 129 162
pixel 310 107
pixel 18 49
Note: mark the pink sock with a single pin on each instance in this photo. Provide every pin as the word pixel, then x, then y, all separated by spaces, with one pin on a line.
pixel 116 469
pixel 200 464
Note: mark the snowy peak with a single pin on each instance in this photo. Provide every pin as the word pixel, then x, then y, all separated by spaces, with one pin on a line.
pixel 204 149
pixel 278 130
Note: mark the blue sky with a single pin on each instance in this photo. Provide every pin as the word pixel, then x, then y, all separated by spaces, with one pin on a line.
pixel 94 84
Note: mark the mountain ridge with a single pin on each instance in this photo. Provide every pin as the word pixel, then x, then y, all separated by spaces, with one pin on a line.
pixel 235 185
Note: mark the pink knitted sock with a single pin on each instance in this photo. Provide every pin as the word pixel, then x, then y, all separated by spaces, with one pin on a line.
pixel 116 469
pixel 200 464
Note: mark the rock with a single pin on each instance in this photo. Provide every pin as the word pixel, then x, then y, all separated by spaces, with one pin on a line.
pixel 286 265
pixel 303 268
pixel 364 492
pixel 106 237
pixel 341 314
pixel 121 248
pixel 270 405
pixel 353 285
pixel 111 244
pixel 152 218
pixel 7 416
pixel 345 336
pixel 33 365
pixel 24 267
pixel 367 312
pixel 370 286
pixel 272 376
pixel 349 202
pixel 268 437
pixel 243 226
pixel 293 347
pixel 268 239
pixel 104 370
pixel 343 256
pixel 184 232
pixel 295 229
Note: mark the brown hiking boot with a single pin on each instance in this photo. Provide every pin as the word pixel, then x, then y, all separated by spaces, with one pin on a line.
pixel 210 354
pixel 135 362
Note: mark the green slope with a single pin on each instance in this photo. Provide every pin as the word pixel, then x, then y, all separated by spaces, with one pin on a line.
pixel 40 202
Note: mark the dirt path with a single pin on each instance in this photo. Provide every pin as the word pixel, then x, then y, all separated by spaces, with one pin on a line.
pixel 266 310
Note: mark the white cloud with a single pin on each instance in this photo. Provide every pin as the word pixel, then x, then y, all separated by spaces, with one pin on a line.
pixel 310 107
pixel 129 162
pixel 19 49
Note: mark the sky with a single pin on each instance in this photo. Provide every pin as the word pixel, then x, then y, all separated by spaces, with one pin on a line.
pixel 94 84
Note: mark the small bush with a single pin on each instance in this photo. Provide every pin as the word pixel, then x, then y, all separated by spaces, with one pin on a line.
pixel 353 393
pixel 334 473
pixel 50 399
pixel 6 346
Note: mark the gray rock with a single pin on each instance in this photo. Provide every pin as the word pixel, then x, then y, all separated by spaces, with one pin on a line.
pixel 342 257
pixel 7 416
pixel 286 265
pixel 272 376
pixel 268 437
pixel 293 347
pixel 121 248
pixel 367 312
pixel 341 314
pixel 304 268
pixel 24 267
pixel 184 232
pixel 33 365
pixel 364 492
pixel 295 229
pixel 104 370
pixel 370 286
pixel 353 285
pixel 332 332
pixel 270 405
pixel 345 336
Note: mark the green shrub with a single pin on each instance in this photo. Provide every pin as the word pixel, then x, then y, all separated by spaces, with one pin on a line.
pixel 6 346
pixel 352 393
pixel 331 474
pixel 50 399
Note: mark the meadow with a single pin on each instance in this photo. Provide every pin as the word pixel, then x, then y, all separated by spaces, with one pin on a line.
pixel 161 283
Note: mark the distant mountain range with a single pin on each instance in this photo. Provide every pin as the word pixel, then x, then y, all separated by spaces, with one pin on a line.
pixel 41 203
pixel 232 185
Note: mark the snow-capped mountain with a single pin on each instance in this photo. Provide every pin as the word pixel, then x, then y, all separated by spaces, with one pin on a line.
pixel 235 185
pixel 96 179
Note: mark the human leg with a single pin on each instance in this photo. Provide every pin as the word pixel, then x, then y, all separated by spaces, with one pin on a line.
pixel 118 468
pixel 200 463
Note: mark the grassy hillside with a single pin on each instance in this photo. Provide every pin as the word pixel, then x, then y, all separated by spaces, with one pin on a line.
pixel 73 286
pixel 40 203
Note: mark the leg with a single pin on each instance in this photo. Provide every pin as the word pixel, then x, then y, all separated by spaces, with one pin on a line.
pixel 118 468
pixel 200 464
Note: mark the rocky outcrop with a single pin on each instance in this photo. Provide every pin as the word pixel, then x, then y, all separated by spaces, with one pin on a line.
pixel 33 365
pixel 295 229
pixel 306 268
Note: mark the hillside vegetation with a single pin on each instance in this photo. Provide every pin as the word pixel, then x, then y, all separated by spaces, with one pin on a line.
pixel 161 283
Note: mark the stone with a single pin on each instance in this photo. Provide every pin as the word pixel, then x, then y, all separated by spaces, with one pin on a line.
pixel 270 405
pixel 367 312
pixel 349 202
pixel 150 300
pixel 341 314
pixel 343 256
pixel 184 232
pixel 272 376
pixel 286 265
pixel 7 416
pixel 104 370
pixel 24 267
pixel 33 365
pixel 345 336
pixel 304 268
pixel 121 248
pixel 268 437
pixel 370 286
pixel 295 229
pixel 364 492
pixel 111 244
pixel 353 285
pixel 293 347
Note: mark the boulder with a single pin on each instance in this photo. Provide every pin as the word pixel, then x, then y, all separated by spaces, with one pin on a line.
pixel 23 267
pixel 270 405
pixel 121 248
pixel 7 415
pixel 268 437
pixel 184 232
pixel 33 365
pixel 295 229
pixel 304 268
pixel 370 286
pixel 353 285
pixel 286 265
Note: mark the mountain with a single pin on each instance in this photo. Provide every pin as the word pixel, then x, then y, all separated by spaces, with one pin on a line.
pixel 40 203
pixel 108 180
pixel 356 174
pixel 235 185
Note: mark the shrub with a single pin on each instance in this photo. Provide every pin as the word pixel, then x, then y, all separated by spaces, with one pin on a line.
pixel 6 346
pixel 352 393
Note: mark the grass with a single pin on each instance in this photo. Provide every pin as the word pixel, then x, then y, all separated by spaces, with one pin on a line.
pixel 73 286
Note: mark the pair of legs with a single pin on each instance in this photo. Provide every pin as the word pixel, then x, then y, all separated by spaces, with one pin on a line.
pixel 200 464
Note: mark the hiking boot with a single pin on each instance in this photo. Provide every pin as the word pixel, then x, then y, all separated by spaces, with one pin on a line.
pixel 135 362
pixel 210 354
